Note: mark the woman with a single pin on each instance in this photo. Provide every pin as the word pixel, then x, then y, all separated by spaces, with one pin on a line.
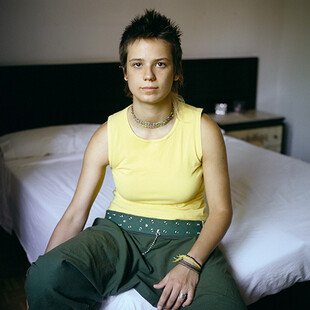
pixel 166 157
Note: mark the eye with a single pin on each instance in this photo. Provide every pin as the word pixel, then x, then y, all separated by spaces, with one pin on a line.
pixel 136 65
pixel 161 64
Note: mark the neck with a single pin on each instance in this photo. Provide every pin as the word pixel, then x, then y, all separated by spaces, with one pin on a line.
pixel 156 121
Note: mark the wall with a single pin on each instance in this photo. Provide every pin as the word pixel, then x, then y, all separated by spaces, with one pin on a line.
pixel 293 82
pixel 66 31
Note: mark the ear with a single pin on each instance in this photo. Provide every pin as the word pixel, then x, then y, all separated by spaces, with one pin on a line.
pixel 125 74
pixel 176 77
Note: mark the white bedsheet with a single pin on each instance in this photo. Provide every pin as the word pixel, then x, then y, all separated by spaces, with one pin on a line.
pixel 267 245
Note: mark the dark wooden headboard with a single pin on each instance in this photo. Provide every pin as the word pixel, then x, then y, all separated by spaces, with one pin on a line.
pixel 34 96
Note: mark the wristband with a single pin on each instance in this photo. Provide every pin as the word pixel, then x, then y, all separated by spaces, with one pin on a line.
pixel 189 266
pixel 194 260
pixel 188 262
pixel 187 258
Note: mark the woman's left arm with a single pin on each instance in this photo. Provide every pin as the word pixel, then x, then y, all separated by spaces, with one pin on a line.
pixel 217 188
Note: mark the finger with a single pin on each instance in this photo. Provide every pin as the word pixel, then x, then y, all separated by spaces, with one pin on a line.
pixel 189 299
pixel 163 298
pixel 181 298
pixel 173 302
pixel 161 284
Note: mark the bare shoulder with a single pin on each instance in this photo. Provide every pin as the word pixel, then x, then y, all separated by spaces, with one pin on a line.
pixel 100 136
pixel 210 129
pixel 211 135
pixel 97 147
pixel 101 132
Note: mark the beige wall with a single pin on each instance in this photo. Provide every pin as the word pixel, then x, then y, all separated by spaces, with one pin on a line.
pixel 293 76
pixel 277 31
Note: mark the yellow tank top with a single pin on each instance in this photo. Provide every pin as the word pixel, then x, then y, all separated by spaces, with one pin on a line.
pixel 158 178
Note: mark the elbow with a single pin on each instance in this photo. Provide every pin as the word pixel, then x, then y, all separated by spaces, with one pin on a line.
pixel 222 214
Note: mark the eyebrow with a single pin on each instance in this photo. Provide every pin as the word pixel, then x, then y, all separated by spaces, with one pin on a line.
pixel 141 59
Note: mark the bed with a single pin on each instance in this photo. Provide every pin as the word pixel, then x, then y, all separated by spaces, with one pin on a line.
pixel 267 245
pixel 49 112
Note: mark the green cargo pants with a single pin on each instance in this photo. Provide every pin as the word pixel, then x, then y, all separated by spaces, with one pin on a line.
pixel 106 260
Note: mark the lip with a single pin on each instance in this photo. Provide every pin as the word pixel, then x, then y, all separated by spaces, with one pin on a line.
pixel 149 88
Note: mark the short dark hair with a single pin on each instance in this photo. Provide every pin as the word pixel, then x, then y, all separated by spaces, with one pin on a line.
pixel 154 25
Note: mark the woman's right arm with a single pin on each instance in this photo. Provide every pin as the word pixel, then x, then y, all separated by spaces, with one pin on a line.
pixel 89 184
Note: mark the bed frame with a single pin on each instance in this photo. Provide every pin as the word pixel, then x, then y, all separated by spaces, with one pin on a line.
pixel 43 95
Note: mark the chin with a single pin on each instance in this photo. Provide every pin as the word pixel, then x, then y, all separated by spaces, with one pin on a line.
pixel 150 99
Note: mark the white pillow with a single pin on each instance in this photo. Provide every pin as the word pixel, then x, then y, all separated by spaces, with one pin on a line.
pixel 44 141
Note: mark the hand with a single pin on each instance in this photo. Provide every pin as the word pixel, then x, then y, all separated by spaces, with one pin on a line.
pixel 178 288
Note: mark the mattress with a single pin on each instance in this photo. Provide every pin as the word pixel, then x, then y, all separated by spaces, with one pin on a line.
pixel 267 245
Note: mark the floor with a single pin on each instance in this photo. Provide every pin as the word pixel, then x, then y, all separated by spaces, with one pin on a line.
pixel 13 266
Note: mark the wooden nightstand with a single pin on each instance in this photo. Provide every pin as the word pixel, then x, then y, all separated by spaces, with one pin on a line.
pixel 256 127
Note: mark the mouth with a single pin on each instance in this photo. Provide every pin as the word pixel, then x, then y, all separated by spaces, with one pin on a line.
pixel 148 88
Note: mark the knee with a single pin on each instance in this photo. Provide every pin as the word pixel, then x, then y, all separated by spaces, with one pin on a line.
pixel 43 276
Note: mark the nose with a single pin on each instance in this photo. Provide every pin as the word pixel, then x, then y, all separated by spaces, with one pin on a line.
pixel 149 74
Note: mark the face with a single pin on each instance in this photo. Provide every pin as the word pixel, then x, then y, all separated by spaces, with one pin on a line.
pixel 149 71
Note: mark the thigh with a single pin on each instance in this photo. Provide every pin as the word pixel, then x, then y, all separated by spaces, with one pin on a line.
pixel 99 254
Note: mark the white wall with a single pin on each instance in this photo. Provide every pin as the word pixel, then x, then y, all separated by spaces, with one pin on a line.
pixel 68 31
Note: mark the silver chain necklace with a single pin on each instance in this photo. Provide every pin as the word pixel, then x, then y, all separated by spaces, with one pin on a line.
pixel 152 125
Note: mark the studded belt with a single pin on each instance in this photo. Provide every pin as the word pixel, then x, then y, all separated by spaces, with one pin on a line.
pixel 171 228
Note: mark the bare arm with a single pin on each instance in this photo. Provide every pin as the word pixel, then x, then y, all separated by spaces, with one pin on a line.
pixel 217 188
pixel 90 181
